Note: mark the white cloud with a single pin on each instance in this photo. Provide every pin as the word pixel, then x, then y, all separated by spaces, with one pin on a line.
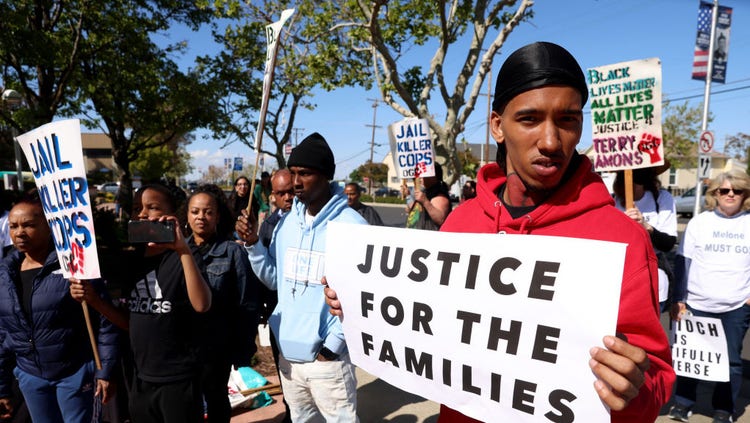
pixel 198 154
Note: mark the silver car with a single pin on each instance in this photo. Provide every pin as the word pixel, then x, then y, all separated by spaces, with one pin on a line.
pixel 685 203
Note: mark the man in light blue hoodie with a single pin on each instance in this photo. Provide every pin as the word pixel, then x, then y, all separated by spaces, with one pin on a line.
pixel 316 374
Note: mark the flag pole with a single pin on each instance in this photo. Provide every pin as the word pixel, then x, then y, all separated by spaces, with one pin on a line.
pixel 272 36
pixel 706 100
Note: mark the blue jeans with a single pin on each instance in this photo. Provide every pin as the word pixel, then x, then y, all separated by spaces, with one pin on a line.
pixel 66 400
pixel 725 395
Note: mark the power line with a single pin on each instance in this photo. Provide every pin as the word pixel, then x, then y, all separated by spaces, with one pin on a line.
pixel 354 156
pixel 728 90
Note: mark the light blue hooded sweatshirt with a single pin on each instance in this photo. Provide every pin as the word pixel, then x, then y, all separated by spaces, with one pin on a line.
pixel 293 264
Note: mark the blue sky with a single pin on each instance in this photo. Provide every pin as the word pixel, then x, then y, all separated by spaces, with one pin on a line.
pixel 596 32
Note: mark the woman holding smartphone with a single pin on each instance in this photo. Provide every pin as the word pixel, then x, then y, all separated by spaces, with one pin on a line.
pixel 168 296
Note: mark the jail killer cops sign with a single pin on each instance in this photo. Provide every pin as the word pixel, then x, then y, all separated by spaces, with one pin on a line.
pixel 55 157
pixel 699 348
pixel 626 115
pixel 498 327
pixel 412 149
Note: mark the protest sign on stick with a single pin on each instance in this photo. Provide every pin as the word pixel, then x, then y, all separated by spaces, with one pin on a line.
pixel 272 38
pixel 412 148
pixel 498 327
pixel 626 117
pixel 55 157
pixel 699 348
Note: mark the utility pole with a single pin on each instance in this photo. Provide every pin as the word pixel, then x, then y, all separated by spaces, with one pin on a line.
pixel 486 152
pixel 296 135
pixel 484 155
pixel 372 142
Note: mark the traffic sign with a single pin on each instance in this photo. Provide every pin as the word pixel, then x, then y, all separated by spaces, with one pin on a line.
pixel 704 167
pixel 706 143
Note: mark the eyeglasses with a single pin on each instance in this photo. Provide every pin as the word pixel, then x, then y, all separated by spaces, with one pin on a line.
pixel 725 191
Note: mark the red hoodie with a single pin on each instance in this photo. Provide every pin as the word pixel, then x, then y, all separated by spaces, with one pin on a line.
pixel 582 208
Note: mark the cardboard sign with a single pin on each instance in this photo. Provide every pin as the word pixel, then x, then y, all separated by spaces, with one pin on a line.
pixel 498 327
pixel 625 103
pixel 412 149
pixel 55 157
pixel 699 348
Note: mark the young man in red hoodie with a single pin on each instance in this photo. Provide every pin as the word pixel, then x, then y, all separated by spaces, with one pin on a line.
pixel 540 185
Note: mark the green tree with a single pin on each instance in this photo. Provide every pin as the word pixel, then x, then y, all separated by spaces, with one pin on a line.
pixel 469 163
pixel 681 128
pixel 216 175
pixel 736 146
pixel 377 172
pixel 133 89
pixel 39 51
pixel 392 33
pixel 169 160
pixel 305 61
pixel 95 57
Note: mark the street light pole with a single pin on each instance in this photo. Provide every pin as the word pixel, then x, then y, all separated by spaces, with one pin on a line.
pixel 13 99
pixel 19 169
pixel 372 142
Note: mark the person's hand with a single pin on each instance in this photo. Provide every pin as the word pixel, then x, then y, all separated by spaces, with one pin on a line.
pixel 332 300
pixel 6 408
pixel 105 389
pixel 638 218
pixel 677 310
pixel 247 227
pixel 619 370
pixel 179 244
pixel 81 290
pixel 420 197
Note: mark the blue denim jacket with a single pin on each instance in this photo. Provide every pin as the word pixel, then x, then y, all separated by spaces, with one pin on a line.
pixel 232 321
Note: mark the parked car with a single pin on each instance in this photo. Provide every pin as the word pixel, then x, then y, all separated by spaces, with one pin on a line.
pixel 386 192
pixel 685 203
pixel 111 187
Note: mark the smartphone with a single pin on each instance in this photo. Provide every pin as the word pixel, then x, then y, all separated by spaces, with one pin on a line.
pixel 150 231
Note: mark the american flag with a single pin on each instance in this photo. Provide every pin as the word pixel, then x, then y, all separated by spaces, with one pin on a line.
pixel 700 56
pixel 704 17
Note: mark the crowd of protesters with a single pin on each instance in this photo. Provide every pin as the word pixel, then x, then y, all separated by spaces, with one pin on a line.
pixel 189 307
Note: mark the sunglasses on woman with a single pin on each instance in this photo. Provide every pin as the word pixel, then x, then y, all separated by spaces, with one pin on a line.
pixel 725 191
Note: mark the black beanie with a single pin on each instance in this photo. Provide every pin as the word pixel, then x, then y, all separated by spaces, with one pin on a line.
pixel 313 152
pixel 537 65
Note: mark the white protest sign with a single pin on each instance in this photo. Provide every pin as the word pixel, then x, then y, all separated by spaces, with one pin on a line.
pixel 273 31
pixel 496 326
pixel 55 157
pixel 412 149
pixel 699 348
pixel 626 115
